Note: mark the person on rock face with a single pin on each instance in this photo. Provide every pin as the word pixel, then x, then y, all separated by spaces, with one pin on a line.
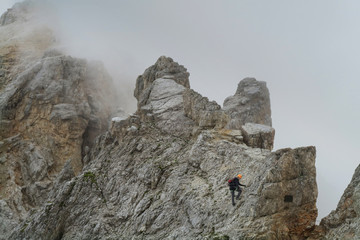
pixel 234 184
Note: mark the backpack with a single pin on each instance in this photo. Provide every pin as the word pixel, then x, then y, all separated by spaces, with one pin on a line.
pixel 232 184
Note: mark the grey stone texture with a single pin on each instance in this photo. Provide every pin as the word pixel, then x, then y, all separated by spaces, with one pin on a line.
pixel 52 107
pixel 157 186
pixel 206 114
pixel 257 135
pixel 344 222
pixel 74 167
pixel 249 104
pixel 165 68
pixel 162 174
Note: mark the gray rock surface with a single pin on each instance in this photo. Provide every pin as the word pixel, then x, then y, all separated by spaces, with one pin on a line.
pixel 206 114
pixel 157 186
pixel 52 107
pixel 164 68
pixel 159 91
pixel 250 104
pixel 160 173
pixel 165 107
pixel 148 177
pixel 258 136
pixel 344 222
pixel 55 109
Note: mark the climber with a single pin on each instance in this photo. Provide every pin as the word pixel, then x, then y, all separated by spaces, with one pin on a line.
pixel 234 184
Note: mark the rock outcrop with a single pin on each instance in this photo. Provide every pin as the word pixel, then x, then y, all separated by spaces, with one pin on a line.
pixel 52 107
pixel 159 91
pixel 160 173
pixel 164 68
pixel 157 186
pixel 257 135
pixel 250 104
pixel 206 114
pixel 344 222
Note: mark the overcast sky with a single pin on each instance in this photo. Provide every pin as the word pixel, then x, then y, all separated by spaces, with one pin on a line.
pixel 307 52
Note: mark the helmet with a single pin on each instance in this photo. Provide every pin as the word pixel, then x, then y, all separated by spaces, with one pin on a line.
pixel 239 176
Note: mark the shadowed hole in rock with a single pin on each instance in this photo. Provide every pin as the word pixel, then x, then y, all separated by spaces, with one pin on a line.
pixel 288 198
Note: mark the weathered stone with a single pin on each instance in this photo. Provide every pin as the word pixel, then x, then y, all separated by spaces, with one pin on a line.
pixel 63 177
pixel 52 107
pixel 230 135
pixel 250 104
pixel 8 220
pixel 66 174
pixel 344 222
pixel 205 113
pixel 157 185
pixel 164 68
pixel 258 136
pixel 123 124
pixel 165 107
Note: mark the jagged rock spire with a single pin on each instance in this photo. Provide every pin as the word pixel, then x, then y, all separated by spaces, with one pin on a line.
pixel 164 67
pixel 250 104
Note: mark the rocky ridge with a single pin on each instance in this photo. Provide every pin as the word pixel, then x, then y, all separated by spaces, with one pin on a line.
pixel 145 178
pixel 160 173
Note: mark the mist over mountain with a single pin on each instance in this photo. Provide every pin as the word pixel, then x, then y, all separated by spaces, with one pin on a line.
pixel 80 159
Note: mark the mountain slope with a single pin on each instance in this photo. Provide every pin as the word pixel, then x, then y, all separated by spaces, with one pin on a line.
pixel 70 168
pixel 149 180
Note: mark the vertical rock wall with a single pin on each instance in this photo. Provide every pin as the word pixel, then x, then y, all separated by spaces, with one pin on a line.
pixel 52 107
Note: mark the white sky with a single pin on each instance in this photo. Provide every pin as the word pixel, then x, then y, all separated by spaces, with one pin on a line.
pixel 307 52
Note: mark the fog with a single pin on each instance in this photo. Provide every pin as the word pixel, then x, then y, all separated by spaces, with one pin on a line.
pixel 307 52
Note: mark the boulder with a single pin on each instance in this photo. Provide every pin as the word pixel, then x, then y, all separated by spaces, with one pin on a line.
pixel 258 136
pixel 250 104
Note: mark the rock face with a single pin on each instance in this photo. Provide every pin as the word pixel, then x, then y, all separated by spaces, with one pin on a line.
pixel 164 68
pixel 159 91
pixel 52 107
pixel 250 104
pixel 160 173
pixel 206 114
pixel 257 135
pixel 344 222
pixel 155 186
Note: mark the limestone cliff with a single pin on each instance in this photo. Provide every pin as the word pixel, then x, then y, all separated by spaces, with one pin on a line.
pixel 52 107
pixel 160 173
